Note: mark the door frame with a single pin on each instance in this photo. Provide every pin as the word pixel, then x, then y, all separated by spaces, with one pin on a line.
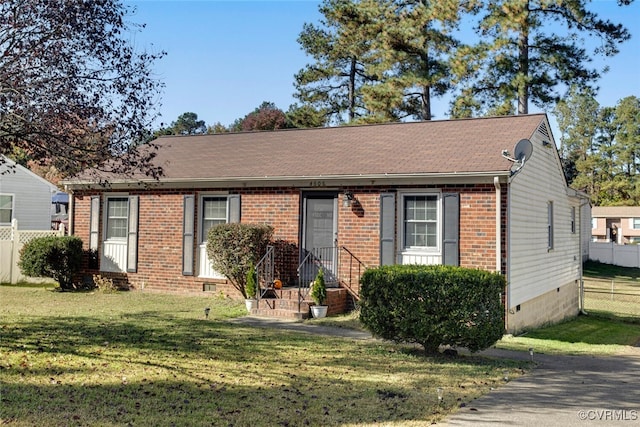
pixel 327 195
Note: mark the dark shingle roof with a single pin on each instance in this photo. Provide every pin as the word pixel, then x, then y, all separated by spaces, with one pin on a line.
pixel 429 147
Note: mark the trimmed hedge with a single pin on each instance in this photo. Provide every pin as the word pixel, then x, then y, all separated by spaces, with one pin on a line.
pixel 58 257
pixel 433 305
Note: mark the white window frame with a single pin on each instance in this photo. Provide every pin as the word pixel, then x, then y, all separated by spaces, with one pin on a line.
pixel 12 209
pixel 108 199
pixel 550 220
pixel 427 250
pixel 203 265
pixel 202 238
pixel 635 225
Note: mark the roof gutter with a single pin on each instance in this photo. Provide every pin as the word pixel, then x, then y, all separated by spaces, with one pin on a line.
pixel 291 181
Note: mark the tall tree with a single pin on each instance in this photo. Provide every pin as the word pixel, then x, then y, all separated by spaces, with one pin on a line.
pixel 73 90
pixel 305 116
pixel 578 120
pixel 266 117
pixel 601 147
pixel 188 124
pixel 340 47
pixel 529 50
pixel 413 49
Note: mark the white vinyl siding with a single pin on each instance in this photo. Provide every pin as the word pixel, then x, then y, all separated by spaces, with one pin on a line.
pixel 533 269
pixel 6 209
pixel 30 194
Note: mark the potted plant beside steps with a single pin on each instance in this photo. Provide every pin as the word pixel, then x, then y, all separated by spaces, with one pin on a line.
pixel 319 296
pixel 251 289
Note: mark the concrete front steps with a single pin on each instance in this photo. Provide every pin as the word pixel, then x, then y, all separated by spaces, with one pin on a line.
pixel 283 303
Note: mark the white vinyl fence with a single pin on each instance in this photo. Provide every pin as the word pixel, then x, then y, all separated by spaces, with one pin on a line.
pixel 612 253
pixel 11 241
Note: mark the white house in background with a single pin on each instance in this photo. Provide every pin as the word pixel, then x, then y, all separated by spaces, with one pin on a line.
pixel 24 196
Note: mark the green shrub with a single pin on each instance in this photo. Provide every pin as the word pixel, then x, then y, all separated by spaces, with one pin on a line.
pixel 319 289
pixel 58 257
pixel 251 286
pixel 433 305
pixel 233 248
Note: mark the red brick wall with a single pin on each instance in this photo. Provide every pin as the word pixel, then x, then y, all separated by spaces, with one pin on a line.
pixel 161 218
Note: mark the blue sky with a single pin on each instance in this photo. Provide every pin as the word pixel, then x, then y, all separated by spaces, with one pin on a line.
pixel 224 58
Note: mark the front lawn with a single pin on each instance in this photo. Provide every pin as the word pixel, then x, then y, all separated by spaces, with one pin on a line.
pixel 142 359
pixel 590 335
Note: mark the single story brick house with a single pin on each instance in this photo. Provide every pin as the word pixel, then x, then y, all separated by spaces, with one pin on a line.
pixel 433 192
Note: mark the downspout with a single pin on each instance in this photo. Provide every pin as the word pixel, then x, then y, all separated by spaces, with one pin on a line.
pixel 496 184
pixel 70 213
pixel 580 269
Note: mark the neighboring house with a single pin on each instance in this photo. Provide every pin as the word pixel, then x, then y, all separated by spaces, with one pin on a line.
pixel 433 192
pixel 60 210
pixel 618 224
pixel 24 196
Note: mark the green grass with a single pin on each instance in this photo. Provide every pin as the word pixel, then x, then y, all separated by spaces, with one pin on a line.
pixel 596 269
pixel 601 332
pixel 583 335
pixel 96 359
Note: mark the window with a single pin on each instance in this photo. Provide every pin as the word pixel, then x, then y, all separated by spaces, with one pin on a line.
pixel 594 223
pixel 6 208
pixel 550 225
pixel 117 217
pixel 573 220
pixel 420 221
pixel 214 212
pixel 636 223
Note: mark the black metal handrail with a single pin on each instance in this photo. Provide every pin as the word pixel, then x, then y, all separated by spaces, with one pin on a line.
pixel 264 273
pixel 340 266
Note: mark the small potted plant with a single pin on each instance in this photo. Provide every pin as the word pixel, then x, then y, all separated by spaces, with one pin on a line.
pixel 319 296
pixel 251 289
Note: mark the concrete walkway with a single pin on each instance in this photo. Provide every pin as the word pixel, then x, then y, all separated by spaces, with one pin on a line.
pixel 560 390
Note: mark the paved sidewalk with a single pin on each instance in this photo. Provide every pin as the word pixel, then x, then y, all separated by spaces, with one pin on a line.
pixel 560 391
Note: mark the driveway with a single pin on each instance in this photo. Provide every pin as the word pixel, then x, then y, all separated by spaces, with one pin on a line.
pixel 561 391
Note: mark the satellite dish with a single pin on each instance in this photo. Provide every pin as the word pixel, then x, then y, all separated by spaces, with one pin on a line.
pixel 522 151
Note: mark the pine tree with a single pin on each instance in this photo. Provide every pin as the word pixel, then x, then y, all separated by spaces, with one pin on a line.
pixel 413 50
pixel 340 47
pixel 529 49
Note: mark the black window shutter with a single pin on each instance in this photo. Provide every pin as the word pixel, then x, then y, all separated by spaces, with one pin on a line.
pixel 451 229
pixel 387 228
pixel 234 208
pixel 188 235
pixel 132 235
